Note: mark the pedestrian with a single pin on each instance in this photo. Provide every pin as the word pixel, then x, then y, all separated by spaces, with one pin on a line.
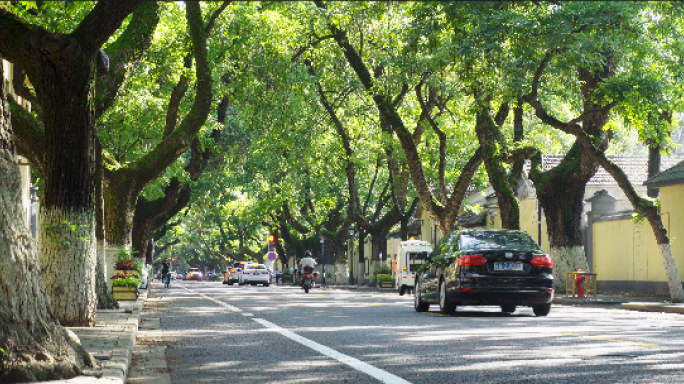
pixel 166 274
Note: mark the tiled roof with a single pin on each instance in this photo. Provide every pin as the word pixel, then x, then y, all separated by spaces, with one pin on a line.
pixel 635 167
pixel 671 176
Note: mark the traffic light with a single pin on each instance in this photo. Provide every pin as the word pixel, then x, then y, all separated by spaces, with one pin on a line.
pixel 271 242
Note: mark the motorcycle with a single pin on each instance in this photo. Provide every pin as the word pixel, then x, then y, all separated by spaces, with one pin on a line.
pixel 308 277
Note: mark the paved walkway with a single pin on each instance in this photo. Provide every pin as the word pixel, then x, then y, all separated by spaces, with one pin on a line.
pixel 112 340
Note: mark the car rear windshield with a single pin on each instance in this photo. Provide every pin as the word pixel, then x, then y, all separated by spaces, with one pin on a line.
pixel 498 240
pixel 255 267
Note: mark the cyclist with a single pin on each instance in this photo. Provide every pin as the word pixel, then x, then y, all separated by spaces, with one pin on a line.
pixel 166 274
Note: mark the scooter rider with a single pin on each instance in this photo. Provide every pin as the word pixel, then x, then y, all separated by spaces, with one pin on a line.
pixel 306 261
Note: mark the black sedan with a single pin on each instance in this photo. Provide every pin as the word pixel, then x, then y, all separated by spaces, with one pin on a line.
pixel 486 267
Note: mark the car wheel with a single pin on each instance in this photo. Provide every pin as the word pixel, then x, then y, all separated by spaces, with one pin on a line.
pixel 253 284
pixel 508 308
pixel 541 309
pixel 446 306
pixel 419 305
pixel 402 290
pixel 267 284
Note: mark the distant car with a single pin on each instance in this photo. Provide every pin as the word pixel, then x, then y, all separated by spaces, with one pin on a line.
pixel 231 276
pixel 486 267
pixel 194 274
pixel 177 275
pixel 255 274
pixel 213 276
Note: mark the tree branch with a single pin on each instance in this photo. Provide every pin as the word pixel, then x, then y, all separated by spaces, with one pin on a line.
pixel 125 52
pixel 156 161
pixel 101 23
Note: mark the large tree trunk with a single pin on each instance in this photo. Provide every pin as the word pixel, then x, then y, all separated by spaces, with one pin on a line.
pixel 68 213
pixel 34 345
pixel 560 192
pixel 562 202
pixel 62 70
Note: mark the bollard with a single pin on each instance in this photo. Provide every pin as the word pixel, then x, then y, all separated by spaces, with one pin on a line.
pixel 579 283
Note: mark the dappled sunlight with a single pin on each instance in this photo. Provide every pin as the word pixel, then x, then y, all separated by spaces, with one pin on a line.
pixel 476 344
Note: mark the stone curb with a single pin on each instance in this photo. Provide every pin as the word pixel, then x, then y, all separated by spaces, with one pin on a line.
pixel 116 369
pixel 654 307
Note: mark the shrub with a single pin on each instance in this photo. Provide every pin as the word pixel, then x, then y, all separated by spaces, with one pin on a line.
pixel 128 281
pixel 384 277
pixel 383 269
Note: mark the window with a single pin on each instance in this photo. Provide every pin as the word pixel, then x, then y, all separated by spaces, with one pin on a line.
pixel 518 241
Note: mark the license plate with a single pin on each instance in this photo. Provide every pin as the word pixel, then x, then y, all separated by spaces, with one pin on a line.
pixel 508 266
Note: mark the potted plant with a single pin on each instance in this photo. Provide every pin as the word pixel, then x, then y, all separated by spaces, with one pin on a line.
pixel 124 264
pixel 125 286
pixel 384 280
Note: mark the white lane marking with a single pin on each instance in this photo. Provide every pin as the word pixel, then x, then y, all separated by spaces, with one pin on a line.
pixel 377 373
pixel 219 302
pixel 247 314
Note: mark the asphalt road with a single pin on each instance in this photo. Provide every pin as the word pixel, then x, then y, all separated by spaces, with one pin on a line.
pixel 216 333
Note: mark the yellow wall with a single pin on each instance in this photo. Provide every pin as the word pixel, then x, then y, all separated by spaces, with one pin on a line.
pixel 529 222
pixel 624 250
pixel 672 205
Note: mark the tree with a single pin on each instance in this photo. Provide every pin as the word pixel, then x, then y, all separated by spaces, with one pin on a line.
pixel 124 182
pixel 33 346
pixel 62 69
pixel 444 214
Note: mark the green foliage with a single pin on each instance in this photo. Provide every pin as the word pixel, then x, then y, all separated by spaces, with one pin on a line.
pixel 124 254
pixel 383 277
pixel 383 269
pixel 128 281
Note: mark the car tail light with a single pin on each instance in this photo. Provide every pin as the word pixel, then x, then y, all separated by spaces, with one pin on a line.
pixel 464 289
pixel 308 276
pixel 549 290
pixel 404 267
pixel 232 271
pixel 542 262
pixel 466 260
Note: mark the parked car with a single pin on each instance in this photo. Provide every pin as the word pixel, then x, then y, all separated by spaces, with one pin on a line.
pixel 255 274
pixel 177 275
pixel 486 267
pixel 194 274
pixel 231 276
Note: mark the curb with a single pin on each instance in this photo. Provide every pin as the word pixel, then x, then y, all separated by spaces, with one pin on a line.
pixel 115 370
pixel 654 307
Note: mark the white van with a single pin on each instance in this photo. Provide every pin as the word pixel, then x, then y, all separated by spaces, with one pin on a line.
pixel 411 254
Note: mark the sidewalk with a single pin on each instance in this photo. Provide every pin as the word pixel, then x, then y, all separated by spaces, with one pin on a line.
pixel 111 342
